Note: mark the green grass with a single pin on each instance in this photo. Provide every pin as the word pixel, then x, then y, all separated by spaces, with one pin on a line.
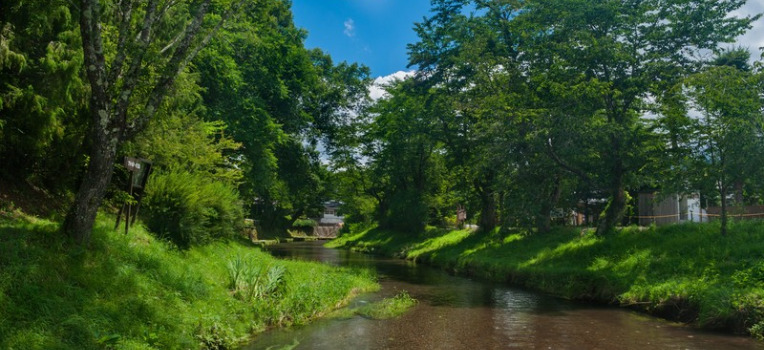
pixel 388 307
pixel 135 292
pixel 380 310
pixel 685 272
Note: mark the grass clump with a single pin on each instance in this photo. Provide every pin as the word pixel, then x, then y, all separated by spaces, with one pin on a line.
pixel 137 292
pixel 189 209
pixel 388 307
pixel 686 272
pixel 380 310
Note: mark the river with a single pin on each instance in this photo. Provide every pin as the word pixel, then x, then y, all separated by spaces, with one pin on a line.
pixel 462 313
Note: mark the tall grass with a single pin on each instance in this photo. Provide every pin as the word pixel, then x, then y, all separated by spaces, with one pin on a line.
pixel 190 209
pixel 686 272
pixel 136 292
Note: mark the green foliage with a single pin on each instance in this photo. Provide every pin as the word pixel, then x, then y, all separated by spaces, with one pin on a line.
pixel 406 213
pixel 729 130
pixel 250 280
pixel 547 103
pixel 405 174
pixel 304 222
pixel 137 292
pixel 179 141
pixel 279 100
pixel 188 209
pixel 42 93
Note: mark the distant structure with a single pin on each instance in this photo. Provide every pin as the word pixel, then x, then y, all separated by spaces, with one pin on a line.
pixel 673 208
pixel 330 223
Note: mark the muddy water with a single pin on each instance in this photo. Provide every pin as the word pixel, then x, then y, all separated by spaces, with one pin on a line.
pixel 461 313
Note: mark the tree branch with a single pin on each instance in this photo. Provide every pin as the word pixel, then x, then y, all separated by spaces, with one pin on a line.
pixel 565 166
pixel 131 78
pixel 183 54
pixel 95 63
pixel 124 32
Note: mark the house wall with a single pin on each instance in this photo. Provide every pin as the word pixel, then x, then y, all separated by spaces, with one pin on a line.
pixel 658 213
pixel 329 231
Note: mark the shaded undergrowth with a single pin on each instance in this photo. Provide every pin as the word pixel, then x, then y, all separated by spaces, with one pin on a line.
pixel 686 272
pixel 136 292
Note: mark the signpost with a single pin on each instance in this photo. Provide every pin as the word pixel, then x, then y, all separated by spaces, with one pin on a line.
pixel 139 169
pixel 461 216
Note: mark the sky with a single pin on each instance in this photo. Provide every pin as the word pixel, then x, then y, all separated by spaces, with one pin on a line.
pixel 375 32
pixel 372 32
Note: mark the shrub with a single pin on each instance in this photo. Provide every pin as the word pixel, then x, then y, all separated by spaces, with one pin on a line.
pixel 304 223
pixel 190 209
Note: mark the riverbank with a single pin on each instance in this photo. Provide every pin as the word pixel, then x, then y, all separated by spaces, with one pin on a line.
pixel 687 272
pixel 134 292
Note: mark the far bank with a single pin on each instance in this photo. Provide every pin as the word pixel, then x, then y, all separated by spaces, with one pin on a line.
pixel 687 272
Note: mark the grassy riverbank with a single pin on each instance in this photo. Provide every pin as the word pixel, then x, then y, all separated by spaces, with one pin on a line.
pixel 686 272
pixel 134 292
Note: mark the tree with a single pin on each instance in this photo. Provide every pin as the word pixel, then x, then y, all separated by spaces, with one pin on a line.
pixel 465 66
pixel 730 127
pixel 620 53
pixel 280 101
pixel 405 158
pixel 492 112
pixel 42 94
pixel 129 76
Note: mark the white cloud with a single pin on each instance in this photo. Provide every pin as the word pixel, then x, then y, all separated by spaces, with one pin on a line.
pixel 377 89
pixel 754 38
pixel 349 28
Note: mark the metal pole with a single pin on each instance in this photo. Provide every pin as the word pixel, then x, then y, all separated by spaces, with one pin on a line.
pixel 129 205
pixel 119 216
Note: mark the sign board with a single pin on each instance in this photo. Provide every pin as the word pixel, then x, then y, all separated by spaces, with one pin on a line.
pixel 133 164
pixel 139 174
pixel 140 169
pixel 461 214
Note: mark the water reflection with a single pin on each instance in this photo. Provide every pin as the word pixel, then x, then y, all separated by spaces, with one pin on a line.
pixel 459 313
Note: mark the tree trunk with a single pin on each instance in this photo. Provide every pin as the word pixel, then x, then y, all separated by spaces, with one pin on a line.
pixel 108 112
pixel 104 132
pixel 739 193
pixel 488 212
pixel 723 193
pixel 616 208
pixel 79 221
pixel 544 218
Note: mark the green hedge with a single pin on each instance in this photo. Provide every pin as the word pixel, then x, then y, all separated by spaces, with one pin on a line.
pixel 190 209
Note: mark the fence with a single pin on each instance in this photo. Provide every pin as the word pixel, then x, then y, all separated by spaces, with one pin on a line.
pixel 692 216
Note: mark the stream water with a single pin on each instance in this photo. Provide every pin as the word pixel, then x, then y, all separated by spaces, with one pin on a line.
pixel 461 313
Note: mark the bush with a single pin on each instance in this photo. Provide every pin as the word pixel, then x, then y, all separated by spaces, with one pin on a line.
pixel 304 223
pixel 190 209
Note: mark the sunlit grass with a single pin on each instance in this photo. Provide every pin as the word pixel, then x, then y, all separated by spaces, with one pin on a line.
pixel 135 292
pixel 380 310
pixel 687 272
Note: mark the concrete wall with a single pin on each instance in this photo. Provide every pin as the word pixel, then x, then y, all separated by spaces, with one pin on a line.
pixel 660 213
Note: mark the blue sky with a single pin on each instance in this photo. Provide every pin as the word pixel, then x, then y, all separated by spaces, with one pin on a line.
pixel 372 32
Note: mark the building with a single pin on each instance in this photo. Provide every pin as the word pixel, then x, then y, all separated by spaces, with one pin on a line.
pixel 659 210
pixel 330 223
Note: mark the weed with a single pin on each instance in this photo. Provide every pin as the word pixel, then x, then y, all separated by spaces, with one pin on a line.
pixel 380 310
pixel 236 270
pixel 388 307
